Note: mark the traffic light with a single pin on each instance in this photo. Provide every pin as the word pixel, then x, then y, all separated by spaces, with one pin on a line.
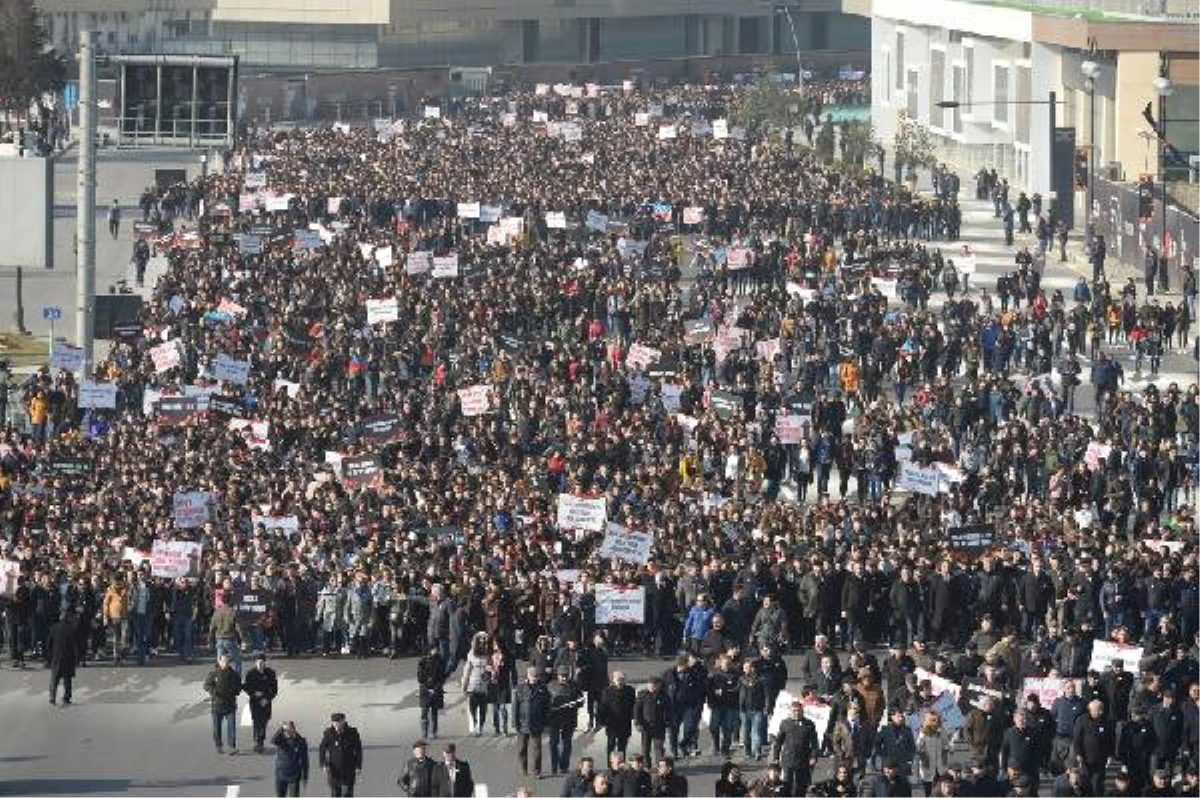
pixel 1145 197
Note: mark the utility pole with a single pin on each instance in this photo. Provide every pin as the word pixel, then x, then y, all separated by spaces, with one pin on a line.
pixel 85 212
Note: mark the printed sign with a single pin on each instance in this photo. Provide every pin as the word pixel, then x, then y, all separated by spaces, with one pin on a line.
pixel 383 428
pixel 175 409
pixel 166 356
pixel 556 220
pixel 917 479
pixel 420 262
pixel 226 369
pixel 98 395
pixel 256 434
pixel 66 357
pixel 578 512
pixel 381 311
pixel 10 570
pixel 1104 652
pixel 1046 688
pixel 475 400
pixel 192 509
pixel 726 403
pixel 625 544
pixel 468 210
pixel 490 214
pixel 445 266
pixel 70 466
pixel 790 428
pixel 620 604
pixel 642 356
pixel 361 469
pixel 175 559
pixel 720 129
pixel 973 538
pixel 596 221
pixel 693 215
pixel 287 524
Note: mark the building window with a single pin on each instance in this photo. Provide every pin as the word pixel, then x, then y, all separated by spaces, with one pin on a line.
pixel 1023 109
pixel 1000 94
pixel 914 83
pixel 959 95
pixel 969 86
pixel 899 61
pixel 937 88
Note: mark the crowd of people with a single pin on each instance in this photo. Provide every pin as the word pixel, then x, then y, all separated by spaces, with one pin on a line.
pixel 384 364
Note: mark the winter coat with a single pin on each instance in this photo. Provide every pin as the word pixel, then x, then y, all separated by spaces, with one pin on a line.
pixel 331 608
pixel 531 708
pixel 475 675
pixel 933 755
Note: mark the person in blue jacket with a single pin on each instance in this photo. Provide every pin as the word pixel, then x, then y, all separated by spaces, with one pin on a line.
pixel 291 760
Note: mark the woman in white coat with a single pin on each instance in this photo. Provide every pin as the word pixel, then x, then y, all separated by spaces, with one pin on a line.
pixel 933 751
pixel 475 682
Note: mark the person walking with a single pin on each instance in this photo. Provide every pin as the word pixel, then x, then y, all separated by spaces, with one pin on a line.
pixel 262 686
pixel 62 656
pixel 114 218
pixel 453 775
pixel 795 750
pixel 565 701
pixel 291 761
pixel 615 713
pixel 419 777
pixel 223 630
pixel 340 755
pixel 531 709
pixel 223 686
pixel 431 676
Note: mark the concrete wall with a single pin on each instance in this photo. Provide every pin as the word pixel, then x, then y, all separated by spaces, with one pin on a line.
pixel 27 212
pixel 1135 71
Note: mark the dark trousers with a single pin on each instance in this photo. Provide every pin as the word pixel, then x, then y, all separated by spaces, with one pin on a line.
pixel 66 685
pixel 560 748
pixel 339 786
pixel 260 716
pixel 1093 774
pixel 523 740
pixel 652 742
pixel 797 780
pixel 617 743
pixel 288 789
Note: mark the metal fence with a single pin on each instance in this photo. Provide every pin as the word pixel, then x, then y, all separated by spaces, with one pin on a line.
pixel 1127 236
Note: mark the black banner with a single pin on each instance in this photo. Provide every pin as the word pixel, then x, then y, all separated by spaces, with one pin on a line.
pixel 976 538
pixel 228 406
pixel 361 469
pixel 385 427
pixel 174 409
pixel 726 403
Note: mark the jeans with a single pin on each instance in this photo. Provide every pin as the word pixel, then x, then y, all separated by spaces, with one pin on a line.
pixel 230 649
pixel 754 732
pixel 523 746
pixel 682 731
pixel 560 748
pixel 429 722
pixel 287 789
pixel 230 721
pixel 721 724
pixel 185 637
pixel 141 636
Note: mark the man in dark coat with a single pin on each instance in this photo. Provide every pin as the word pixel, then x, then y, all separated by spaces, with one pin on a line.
pixel 291 760
pixel 341 756
pixel 565 700
pixel 454 775
pixel 419 777
pixel 531 710
pixel 615 713
pixel 652 714
pixel 796 748
pixel 62 656
pixel 1094 742
pixel 223 686
pixel 262 686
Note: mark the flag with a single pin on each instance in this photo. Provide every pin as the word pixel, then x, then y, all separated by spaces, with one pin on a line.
pixel 357 365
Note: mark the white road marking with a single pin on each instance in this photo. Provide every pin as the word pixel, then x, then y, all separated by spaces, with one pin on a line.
pixel 246 719
pixel 232 791
pixel 481 791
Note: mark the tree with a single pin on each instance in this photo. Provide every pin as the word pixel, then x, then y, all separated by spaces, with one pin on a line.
pixel 29 67
pixel 767 105
pixel 858 142
pixel 914 145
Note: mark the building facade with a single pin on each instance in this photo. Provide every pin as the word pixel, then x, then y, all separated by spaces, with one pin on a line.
pixel 1000 63
pixel 399 33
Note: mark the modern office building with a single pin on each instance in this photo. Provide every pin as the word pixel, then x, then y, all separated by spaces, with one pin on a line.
pixel 1102 59
pixel 371 33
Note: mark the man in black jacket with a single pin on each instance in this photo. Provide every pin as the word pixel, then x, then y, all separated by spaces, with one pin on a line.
pixel 795 749
pixel 262 687
pixel 454 775
pixel 531 708
pixel 291 760
pixel 341 756
pixel 652 714
pixel 666 783
pixel 419 777
pixel 615 713
pixel 579 780
pixel 565 700
pixel 1094 742
pixel 1020 749
pixel 223 686
pixel 61 655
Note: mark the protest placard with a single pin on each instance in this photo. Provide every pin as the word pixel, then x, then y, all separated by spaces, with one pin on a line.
pixel 1046 688
pixel 726 403
pixel 192 509
pixel 166 356
pixel 640 356
pixel 579 512
pixel 70 466
pixel 445 266
pixel 918 479
pixel 571 132
pixel 227 369
pixel 468 210
pixel 256 434
pixel 641 119
pixel 971 538
pixel 630 545
pixel 615 604
pixel 768 349
pixel 306 240
pixel 362 469
pixel 720 129
pixel 383 427
pixel 419 262
pixel 698 331
pixel 693 215
pixel 381 311
pixel 175 559
pixel 66 357
pixel 671 394
pixel 177 409
pixel 596 221
pixel 1104 652
pixel 790 428
pixel 490 213
pixel 556 220
pixel 384 257
pixel 475 400
pixel 667 132
pixel 98 395
pixel 433 112
pixel 1096 455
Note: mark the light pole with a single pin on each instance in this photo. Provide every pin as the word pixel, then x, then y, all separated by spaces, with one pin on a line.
pixel 1090 71
pixel 787 13
pixel 1162 86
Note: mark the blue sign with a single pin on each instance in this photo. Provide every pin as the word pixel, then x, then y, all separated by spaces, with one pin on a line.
pixel 70 95
pixel 52 313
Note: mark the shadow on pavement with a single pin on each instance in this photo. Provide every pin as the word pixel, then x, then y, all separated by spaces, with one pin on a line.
pixel 63 786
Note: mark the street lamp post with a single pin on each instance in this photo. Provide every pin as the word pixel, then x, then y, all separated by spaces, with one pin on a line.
pixel 1162 87
pixel 787 13
pixel 1090 71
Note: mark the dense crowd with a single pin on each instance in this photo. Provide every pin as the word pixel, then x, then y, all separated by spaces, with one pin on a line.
pixel 759 357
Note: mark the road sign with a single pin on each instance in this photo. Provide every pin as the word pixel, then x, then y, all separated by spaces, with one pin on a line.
pixel 52 313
